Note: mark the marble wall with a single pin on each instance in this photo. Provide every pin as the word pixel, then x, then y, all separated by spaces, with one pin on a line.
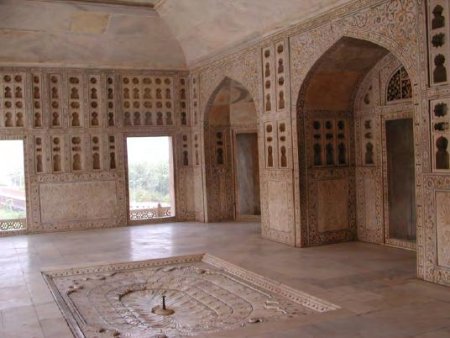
pixel 274 71
pixel 231 111
pixel 75 122
pixel 402 40
pixel 379 100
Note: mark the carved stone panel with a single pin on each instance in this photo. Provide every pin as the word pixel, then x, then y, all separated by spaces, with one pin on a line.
pixel 284 145
pixel 435 248
pixel 111 115
pixel 279 219
pixel 195 106
pixel 438 46
pixel 443 228
pixel 198 195
pixel 148 100
pixel 278 213
pixel 271 148
pixel 65 202
pixel 186 187
pixel 183 95
pixel 332 208
pixel 55 93
pixel 12 100
pixel 95 103
pixel 371 212
pixel 36 93
pixel 75 93
pixel 324 207
pixel 440 131
pixel 268 79
pixel 282 71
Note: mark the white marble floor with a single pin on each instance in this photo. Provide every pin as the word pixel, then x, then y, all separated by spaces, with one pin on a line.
pixel 374 285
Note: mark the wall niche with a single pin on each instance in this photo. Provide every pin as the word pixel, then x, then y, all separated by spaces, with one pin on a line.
pixel 145 98
pixel 274 60
pixel 270 145
pixel 12 100
pixel 440 122
pixel 438 46
pixel 329 142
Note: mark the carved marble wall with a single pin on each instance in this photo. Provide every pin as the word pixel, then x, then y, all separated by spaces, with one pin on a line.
pixel 68 140
pixel 74 123
pixel 231 110
pixel 384 94
pixel 400 27
pixel 329 186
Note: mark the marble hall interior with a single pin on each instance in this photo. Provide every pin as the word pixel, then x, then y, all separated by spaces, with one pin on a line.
pixel 216 168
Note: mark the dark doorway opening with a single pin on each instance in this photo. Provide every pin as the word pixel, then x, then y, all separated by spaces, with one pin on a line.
pixel 247 176
pixel 401 179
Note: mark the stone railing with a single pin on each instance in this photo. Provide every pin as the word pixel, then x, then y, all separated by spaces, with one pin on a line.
pixel 143 214
pixel 13 224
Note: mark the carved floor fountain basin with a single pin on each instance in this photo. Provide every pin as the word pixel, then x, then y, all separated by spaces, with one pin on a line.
pixel 173 297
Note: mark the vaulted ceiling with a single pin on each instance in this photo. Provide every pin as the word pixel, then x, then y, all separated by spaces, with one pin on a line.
pixel 206 27
pixel 155 34
pixel 337 74
pixel 86 34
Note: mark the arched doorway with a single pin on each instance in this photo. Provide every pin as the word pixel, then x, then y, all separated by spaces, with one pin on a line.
pixel 350 153
pixel 231 154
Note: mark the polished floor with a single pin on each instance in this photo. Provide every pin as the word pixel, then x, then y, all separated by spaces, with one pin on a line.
pixel 374 285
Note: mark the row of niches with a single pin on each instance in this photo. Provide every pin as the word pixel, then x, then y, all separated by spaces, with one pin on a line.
pixel 148 119
pixel 368 142
pixel 274 60
pixel 12 100
pixel 147 102
pixel 219 148
pixel 147 92
pixel 76 153
pixel 440 122
pixel 80 100
pixel 183 101
pixel 195 89
pixel 186 159
pixel 276 145
pixel 439 48
pixel 330 142
pixel 12 119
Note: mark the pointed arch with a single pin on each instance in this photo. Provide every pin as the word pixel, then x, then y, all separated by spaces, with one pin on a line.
pixel 230 109
pixel 349 67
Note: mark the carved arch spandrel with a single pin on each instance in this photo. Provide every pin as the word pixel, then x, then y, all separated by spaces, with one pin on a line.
pixel 245 71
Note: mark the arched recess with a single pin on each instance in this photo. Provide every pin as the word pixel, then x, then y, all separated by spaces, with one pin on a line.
pixel 329 157
pixel 231 154
pixel 304 63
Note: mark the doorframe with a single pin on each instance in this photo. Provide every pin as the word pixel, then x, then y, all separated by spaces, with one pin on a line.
pixel 26 172
pixel 395 242
pixel 127 183
pixel 234 133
